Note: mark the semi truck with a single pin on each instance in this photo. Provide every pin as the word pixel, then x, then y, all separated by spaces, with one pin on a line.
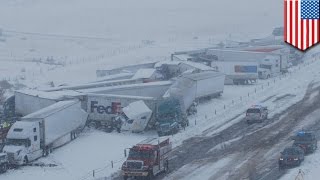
pixel 147 159
pixel 169 116
pixel 237 72
pixel 270 66
pixel 135 116
pixel 38 133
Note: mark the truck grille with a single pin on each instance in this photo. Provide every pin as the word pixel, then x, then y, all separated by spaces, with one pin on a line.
pixel 10 157
pixel 134 164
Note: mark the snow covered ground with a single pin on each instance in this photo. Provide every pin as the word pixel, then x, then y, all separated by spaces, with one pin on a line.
pixel 95 150
pixel 82 36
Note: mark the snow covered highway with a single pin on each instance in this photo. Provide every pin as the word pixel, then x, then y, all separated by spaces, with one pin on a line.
pixel 234 149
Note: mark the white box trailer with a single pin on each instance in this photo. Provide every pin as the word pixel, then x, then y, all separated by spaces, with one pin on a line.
pixel 191 87
pixel 151 89
pixel 102 108
pixel 256 55
pixel 208 84
pixel 238 71
pixel 29 101
pixel 97 84
pixel 39 133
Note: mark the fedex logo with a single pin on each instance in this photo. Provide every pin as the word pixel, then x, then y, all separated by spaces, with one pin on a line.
pixel 113 109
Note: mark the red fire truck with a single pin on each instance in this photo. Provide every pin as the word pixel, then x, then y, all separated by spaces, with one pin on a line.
pixel 147 159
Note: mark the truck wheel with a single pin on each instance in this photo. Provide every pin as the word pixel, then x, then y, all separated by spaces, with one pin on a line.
pixel 166 166
pixel 125 177
pixel 4 168
pixel 25 160
pixel 150 175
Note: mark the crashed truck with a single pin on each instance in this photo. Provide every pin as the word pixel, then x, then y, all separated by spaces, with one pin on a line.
pixel 270 61
pixel 38 133
pixel 105 104
pixel 147 159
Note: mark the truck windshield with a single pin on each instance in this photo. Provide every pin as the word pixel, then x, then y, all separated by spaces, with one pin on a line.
pixel 253 111
pixel 136 154
pixel 289 151
pixel 304 138
pixel 18 142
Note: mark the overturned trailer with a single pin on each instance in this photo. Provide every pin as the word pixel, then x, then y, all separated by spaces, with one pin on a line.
pixel 151 89
pixel 97 84
pixel 125 69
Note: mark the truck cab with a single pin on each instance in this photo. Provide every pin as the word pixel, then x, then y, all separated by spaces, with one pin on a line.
pixel 306 140
pixel 169 117
pixel 23 142
pixel 147 159
pixel 269 67
pixel 256 113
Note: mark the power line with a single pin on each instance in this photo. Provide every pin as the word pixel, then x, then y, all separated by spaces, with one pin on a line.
pixel 58 35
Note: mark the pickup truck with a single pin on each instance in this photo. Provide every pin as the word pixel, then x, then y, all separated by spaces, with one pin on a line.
pixel 256 113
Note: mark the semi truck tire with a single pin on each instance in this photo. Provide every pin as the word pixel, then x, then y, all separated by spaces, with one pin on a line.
pixel 25 160
pixel 150 175
pixel 4 168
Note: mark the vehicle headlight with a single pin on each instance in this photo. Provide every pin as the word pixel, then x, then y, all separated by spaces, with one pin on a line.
pixel 281 159
pixel 296 159
pixel 145 167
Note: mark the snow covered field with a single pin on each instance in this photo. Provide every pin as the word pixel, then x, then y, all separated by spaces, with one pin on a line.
pixel 82 36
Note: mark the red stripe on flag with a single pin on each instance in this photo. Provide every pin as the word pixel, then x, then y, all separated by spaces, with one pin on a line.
pixel 302 47
pixel 296 23
pixel 285 20
pixel 291 20
pixel 318 38
pixel 308 34
pixel 312 31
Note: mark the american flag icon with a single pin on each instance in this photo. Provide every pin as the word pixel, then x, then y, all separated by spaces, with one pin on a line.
pixel 301 22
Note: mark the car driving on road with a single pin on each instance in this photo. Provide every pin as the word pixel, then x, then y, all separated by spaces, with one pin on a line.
pixel 306 140
pixel 291 156
pixel 256 113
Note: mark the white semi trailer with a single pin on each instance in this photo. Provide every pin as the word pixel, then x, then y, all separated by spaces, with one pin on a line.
pixel 97 84
pixel 195 86
pixel 30 101
pixel 237 72
pixel 37 134
pixel 151 89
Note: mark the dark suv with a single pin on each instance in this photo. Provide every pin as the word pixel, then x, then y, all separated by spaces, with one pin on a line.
pixel 291 156
pixel 306 140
